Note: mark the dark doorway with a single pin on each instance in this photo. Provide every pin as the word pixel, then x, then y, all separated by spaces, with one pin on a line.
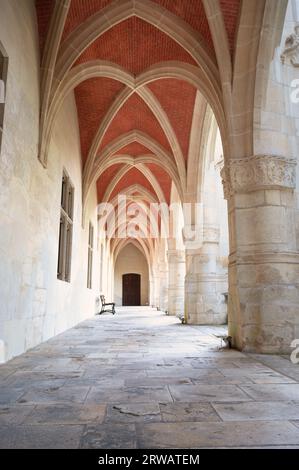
pixel 131 289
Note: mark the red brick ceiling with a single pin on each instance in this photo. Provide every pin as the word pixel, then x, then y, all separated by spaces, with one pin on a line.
pixel 44 10
pixel 163 178
pixel 230 10
pixel 135 115
pixel 81 10
pixel 191 11
pixel 136 45
pixel 134 149
pixel 105 179
pixel 133 176
pixel 93 97
pixel 180 93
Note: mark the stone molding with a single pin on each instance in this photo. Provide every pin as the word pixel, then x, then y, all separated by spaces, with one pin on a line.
pixel 291 48
pixel 206 277
pixel 267 257
pixel 258 172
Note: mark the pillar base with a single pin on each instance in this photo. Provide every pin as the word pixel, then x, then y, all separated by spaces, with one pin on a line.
pixel 263 303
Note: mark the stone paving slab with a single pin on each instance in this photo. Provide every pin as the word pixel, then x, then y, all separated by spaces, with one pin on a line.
pixel 14 414
pixel 67 394
pixel 258 376
pixel 272 392
pixel 184 412
pixel 207 393
pixel 256 411
pixel 109 436
pixel 66 414
pixel 129 395
pixel 40 437
pixel 218 434
pixel 9 395
pixel 133 413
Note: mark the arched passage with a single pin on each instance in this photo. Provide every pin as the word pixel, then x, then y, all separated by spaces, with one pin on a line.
pixel 121 118
pixel 126 98
pixel 131 277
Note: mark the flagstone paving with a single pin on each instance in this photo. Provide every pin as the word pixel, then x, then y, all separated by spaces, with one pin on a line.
pixel 141 379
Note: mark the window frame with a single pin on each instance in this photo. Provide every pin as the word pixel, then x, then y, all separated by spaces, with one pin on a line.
pixel 90 255
pixel 64 264
pixel 3 83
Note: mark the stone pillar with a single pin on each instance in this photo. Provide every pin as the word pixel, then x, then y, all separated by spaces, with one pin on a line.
pixel 155 287
pixel 176 279
pixel 151 291
pixel 205 286
pixel 263 261
pixel 163 286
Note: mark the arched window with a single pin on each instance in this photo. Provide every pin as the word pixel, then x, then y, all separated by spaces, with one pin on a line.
pixel 3 78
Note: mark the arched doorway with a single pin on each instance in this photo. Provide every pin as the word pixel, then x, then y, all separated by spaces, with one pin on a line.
pixel 131 289
pixel 131 277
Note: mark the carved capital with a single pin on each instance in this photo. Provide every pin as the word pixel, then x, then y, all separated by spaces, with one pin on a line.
pixel 258 172
pixel 291 48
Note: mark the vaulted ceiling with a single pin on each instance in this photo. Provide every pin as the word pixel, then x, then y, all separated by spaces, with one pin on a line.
pixel 134 135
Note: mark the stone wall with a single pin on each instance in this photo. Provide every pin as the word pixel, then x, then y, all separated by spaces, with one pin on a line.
pixel 34 304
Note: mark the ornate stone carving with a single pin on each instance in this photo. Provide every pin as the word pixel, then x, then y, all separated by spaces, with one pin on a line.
pixel 224 173
pixel 291 48
pixel 258 172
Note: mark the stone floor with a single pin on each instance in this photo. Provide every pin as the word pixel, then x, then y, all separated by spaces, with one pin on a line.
pixel 143 380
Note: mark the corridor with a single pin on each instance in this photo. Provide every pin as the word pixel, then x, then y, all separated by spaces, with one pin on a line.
pixel 140 379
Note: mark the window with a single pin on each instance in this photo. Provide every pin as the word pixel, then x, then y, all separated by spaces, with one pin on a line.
pixel 3 78
pixel 66 230
pixel 90 255
pixel 101 267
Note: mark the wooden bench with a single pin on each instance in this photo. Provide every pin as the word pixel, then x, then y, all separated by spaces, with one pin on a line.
pixel 104 305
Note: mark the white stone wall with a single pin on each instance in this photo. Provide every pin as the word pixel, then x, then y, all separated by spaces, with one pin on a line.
pixel 276 116
pixel 131 260
pixel 34 304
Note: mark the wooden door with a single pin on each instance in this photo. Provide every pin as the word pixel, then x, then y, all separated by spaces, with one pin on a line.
pixel 131 289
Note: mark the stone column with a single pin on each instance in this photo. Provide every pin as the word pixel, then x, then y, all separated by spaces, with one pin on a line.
pixel 263 262
pixel 155 298
pixel 176 279
pixel 205 286
pixel 163 286
pixel 151 291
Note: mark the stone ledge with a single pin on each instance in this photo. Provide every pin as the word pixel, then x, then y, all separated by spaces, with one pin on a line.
pixel 265 258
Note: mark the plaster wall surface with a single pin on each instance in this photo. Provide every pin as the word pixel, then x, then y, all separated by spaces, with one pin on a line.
pixel 34 304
